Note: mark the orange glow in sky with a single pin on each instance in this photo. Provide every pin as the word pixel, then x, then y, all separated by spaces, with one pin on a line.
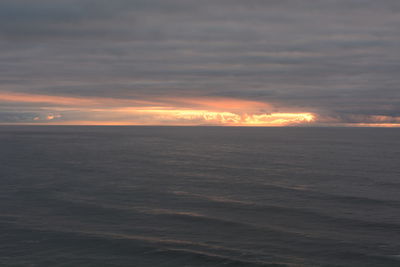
pixel 217 111
pixel 68 101
pixel 205 117
pixel 161 111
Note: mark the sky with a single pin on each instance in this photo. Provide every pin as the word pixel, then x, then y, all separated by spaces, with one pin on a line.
pixel 208 62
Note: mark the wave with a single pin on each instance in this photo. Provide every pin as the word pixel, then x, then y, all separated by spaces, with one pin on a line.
pixel 246 206
pixel 297 191
pixel 132 246
pixel 192 217
pixel 222 260
pixel 51 244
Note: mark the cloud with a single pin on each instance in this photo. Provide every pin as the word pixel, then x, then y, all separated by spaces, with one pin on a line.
pixel 160 111
pixel 336 58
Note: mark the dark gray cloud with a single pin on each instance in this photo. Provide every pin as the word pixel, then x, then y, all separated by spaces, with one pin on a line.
pixel 338 58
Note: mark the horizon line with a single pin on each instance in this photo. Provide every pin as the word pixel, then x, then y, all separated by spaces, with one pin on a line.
pixel 219 126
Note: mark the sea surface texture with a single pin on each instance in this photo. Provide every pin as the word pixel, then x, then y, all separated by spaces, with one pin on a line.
pixel 199 196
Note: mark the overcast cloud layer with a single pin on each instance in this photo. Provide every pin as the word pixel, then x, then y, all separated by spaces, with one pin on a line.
pixel 339 59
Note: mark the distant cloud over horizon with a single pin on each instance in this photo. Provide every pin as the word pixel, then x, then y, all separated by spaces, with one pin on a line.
pixel 186 62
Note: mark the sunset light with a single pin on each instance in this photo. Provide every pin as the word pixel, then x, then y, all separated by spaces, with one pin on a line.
pixel 155 133
pixel 215 111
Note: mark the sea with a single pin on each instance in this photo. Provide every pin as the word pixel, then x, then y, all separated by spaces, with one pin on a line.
pixel 199 196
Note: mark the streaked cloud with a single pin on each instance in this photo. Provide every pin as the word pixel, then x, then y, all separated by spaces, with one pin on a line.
pixel 92 60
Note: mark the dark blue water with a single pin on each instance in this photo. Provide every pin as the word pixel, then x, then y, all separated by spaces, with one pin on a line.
pixel 199 196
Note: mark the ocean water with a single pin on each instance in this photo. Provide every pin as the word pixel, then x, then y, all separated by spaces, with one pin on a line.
pixel 199 196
